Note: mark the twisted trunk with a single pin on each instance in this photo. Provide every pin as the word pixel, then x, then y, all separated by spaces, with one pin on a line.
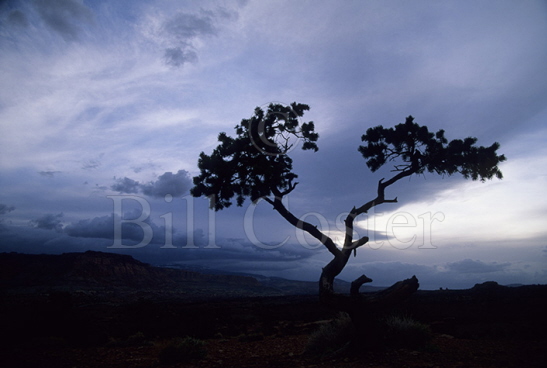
pixel 363 309
pixel 341 257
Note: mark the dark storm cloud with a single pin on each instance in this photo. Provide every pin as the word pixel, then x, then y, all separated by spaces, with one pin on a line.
pixel 48 221
pixel 103 227
pixel 26 239
pixel 233 255
pixel 471 266
pixel 97 227
pixel 4 208
pixel 168 183
pixel 132 230
pixel 126 185
pixel 64 16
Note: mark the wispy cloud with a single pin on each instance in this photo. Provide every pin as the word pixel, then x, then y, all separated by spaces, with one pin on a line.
pixel 49 174
pixel 92 163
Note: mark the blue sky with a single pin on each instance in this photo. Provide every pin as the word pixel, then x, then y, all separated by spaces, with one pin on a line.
pixel 106 105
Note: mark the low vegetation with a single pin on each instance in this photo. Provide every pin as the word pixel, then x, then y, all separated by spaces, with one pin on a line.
pixel 405 332
pixel 331 336
pixel 398 332
pixel 182 350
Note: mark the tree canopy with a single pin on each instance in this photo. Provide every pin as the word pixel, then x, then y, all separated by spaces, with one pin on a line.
pixel 255 164
pixel 421 150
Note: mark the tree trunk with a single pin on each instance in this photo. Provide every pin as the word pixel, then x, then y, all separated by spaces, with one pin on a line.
pixel 330 271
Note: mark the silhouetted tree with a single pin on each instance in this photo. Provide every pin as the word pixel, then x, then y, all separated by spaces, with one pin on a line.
pixel 256 164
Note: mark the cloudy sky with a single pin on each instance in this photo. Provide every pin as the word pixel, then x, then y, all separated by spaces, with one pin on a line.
pixel 106 105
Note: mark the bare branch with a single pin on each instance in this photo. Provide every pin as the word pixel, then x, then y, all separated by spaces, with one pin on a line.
pixel 289 189
pixel 356 244
pixel 355 285
pixel 302 225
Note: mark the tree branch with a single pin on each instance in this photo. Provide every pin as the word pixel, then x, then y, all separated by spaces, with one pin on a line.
pixel 289 189
pixel 349 228
pixel 355 285
pixel 349 244
pixel 302 225
pixel 356 244
pixel 380 198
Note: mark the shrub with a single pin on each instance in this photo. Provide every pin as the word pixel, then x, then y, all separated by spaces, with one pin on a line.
pixel 182 350
pixel 331 336
pixel 401 331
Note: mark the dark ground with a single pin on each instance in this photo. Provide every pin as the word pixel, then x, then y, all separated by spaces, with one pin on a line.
pixel 487 326
pixel 98 309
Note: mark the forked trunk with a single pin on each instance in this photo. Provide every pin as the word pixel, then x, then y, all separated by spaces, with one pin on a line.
pixel 330 271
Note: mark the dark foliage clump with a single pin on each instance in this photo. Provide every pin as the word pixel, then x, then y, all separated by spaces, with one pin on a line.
pixel 421 150
pixel 255 163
